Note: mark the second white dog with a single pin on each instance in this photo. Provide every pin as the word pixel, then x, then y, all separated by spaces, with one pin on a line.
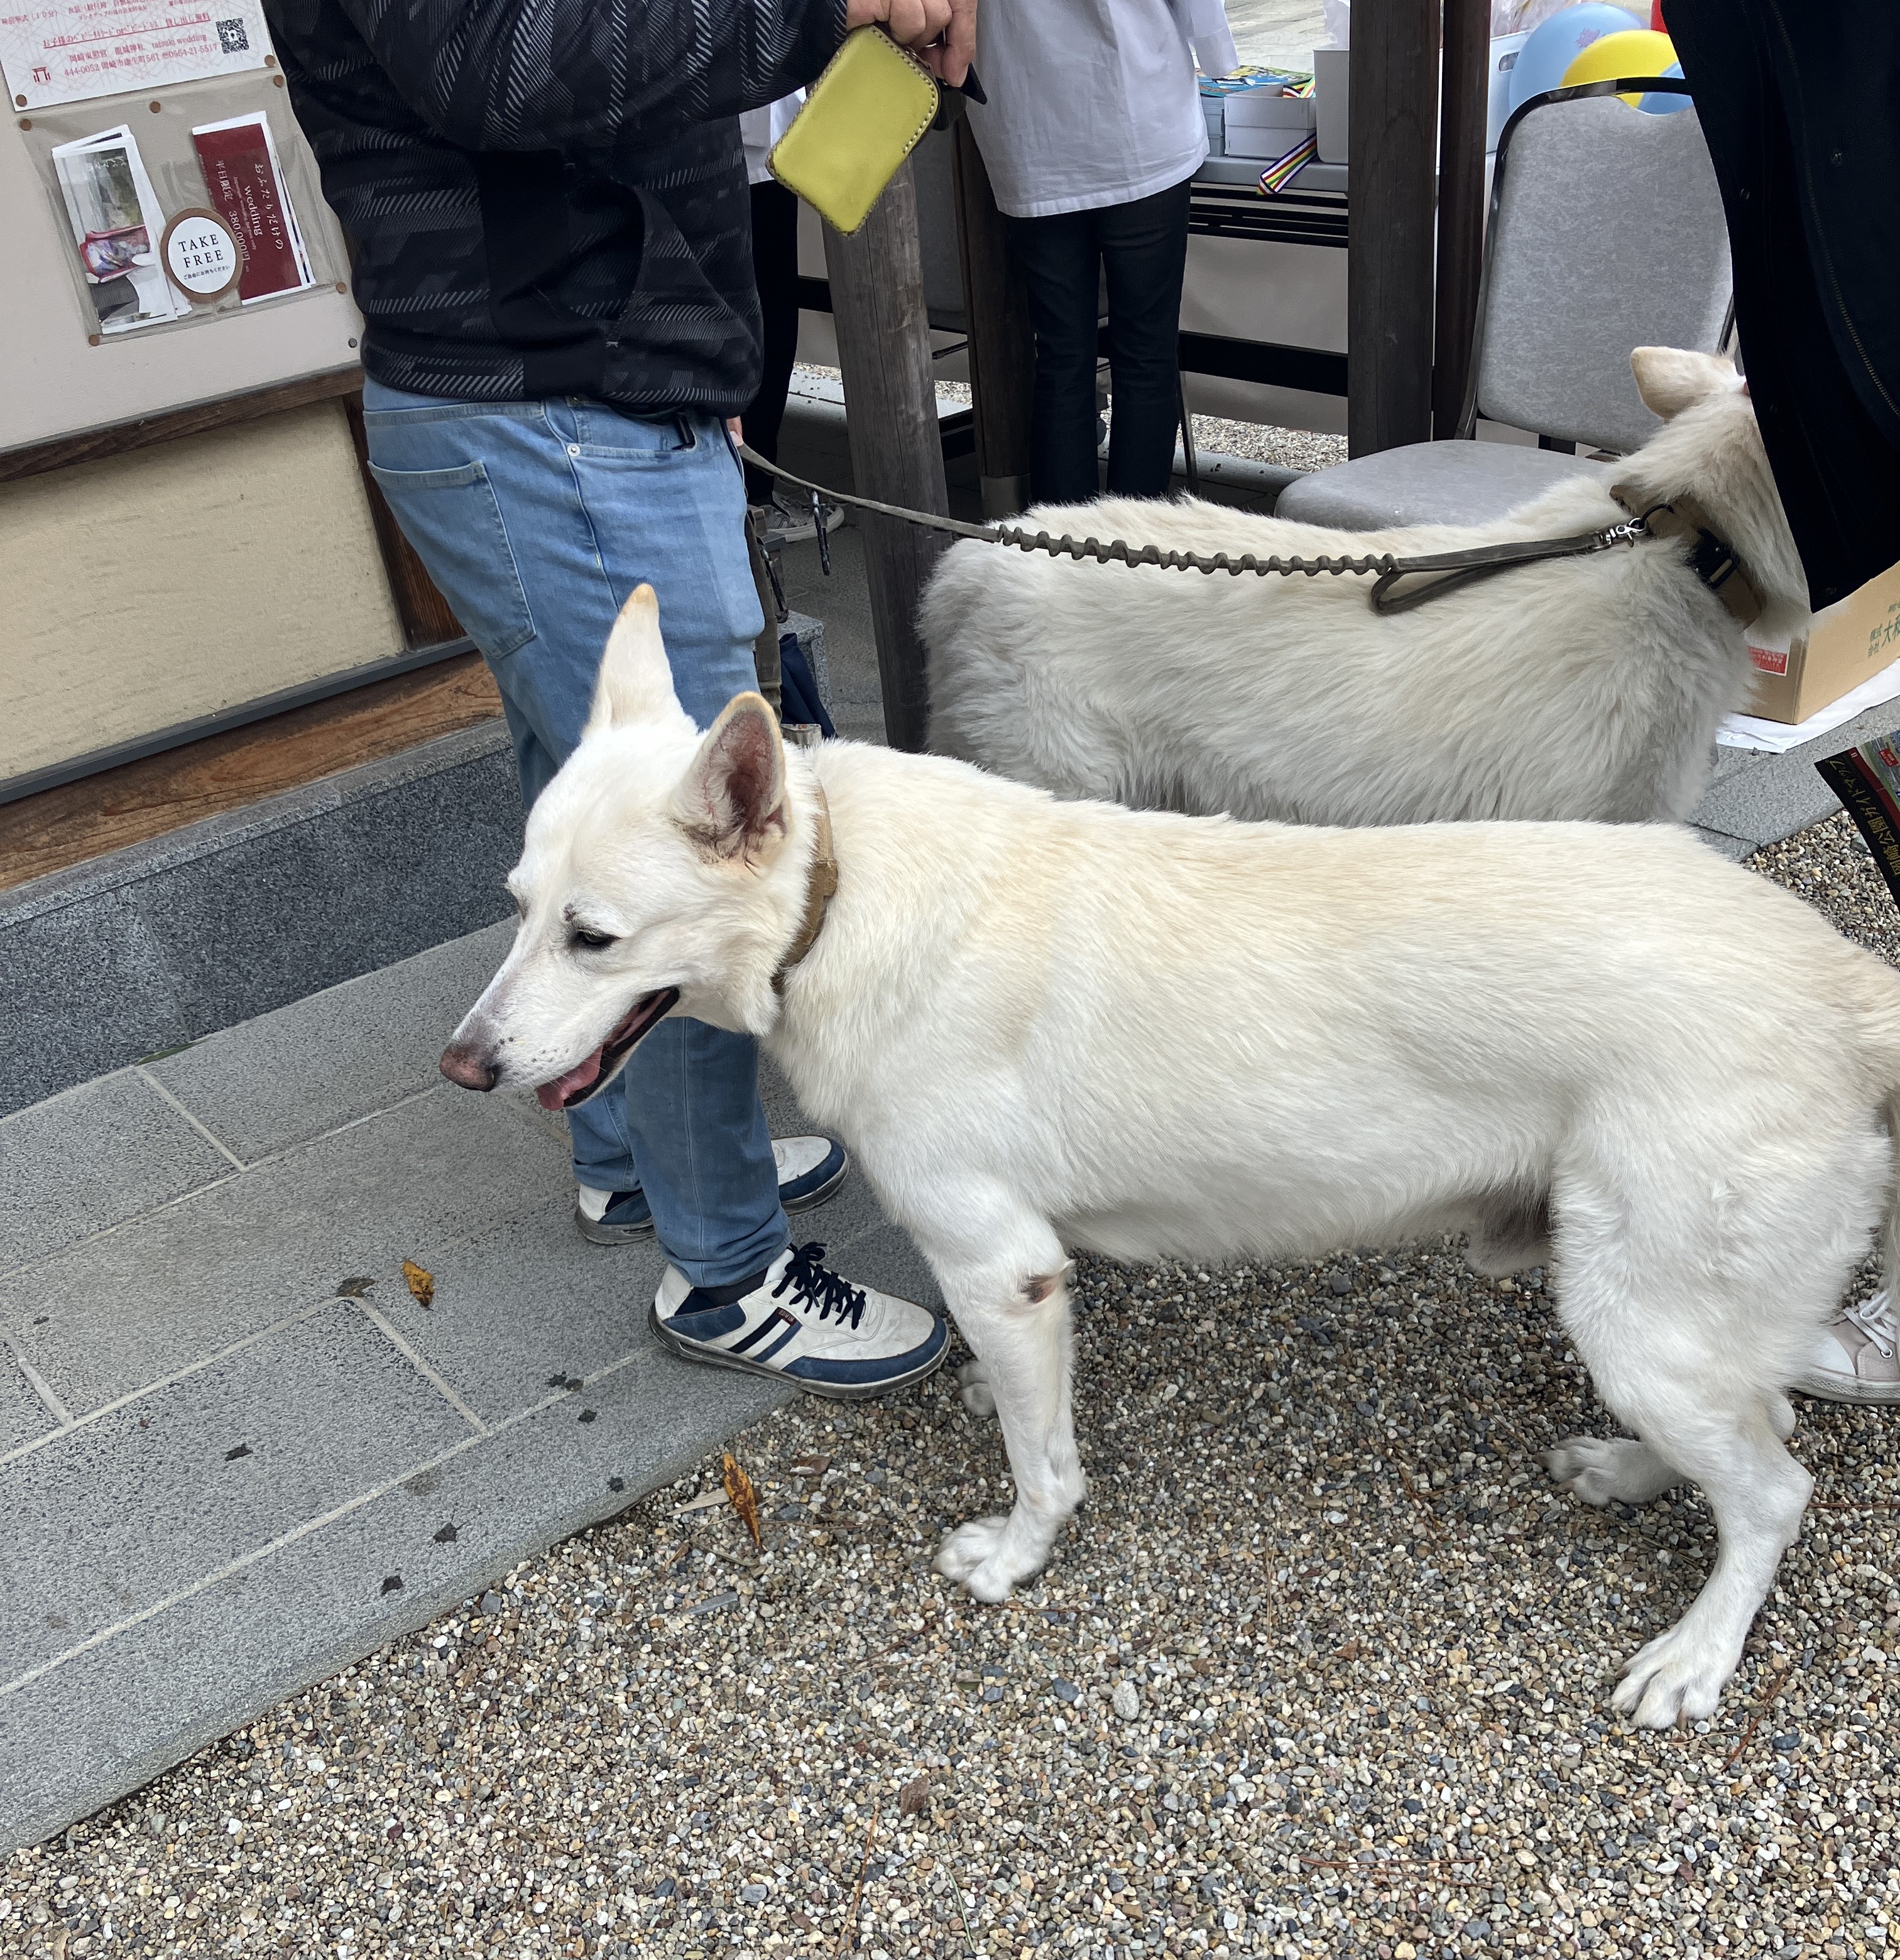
pixel 1041 1025
pixel 1584 687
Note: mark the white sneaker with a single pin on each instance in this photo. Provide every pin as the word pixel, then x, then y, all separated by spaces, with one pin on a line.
pixel 810 1169
pixel 1856 1356
pixel 798 1321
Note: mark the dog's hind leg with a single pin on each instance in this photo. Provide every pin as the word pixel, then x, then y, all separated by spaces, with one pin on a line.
pixel 973 1389
pixel 1682 1368
pixel 1509 1233
pixel 1757 1492
pixel 1017 1318
pixel 1603 1470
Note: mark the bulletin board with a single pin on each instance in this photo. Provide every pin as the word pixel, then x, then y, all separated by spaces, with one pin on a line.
pixel 166 240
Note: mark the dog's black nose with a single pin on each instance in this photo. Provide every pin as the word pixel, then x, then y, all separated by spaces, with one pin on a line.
pixel 462 1064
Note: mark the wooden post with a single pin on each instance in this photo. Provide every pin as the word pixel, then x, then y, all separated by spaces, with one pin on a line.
pixel 1393 108
pixel 1464 106
pixel 890 415
pixel 1002 345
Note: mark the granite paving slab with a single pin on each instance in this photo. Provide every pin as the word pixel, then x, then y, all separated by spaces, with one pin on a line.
pixel 24 1412
pixel 160 1293
pixel 93 1157
pixel 165 1490
pixel 235 1450
pixel 322 1061
pixel 107 1717
pixel 1759 798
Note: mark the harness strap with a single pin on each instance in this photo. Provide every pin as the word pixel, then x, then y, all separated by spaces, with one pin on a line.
pixel 820 882
pixel 1713 559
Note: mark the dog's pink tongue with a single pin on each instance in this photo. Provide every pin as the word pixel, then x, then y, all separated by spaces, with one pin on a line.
pixel 552 1095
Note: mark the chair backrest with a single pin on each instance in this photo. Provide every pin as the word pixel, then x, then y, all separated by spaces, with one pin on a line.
pixel 1606 233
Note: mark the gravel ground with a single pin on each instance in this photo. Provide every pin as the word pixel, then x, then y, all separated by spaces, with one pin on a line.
pixel 1214 435
pixel 1293 449
pixel 1321 1669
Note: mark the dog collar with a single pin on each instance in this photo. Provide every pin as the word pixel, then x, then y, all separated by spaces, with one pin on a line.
pixel 821 882
pixel 1713 559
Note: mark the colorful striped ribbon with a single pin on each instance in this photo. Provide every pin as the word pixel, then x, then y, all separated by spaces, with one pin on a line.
pixel 1276 175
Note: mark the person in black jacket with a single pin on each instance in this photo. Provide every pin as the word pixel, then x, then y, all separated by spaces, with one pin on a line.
pixel 546 205
pixel 1801 108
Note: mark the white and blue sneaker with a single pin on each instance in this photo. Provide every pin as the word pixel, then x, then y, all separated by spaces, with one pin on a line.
pixel 799 1321
pixel 810 1169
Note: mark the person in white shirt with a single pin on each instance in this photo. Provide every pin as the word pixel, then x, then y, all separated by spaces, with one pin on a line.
pixel 1093 129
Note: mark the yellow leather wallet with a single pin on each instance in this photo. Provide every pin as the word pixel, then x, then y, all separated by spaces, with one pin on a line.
pixel 863 116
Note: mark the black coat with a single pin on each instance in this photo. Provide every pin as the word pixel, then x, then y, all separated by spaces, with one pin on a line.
pixel 1800 102
pixel 548 197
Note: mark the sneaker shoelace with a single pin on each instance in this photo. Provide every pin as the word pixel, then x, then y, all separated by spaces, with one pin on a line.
pixel 1875 1318
pixel 813 1283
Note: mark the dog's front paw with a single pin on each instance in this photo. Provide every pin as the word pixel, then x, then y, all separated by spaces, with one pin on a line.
pixel 982 1558
pixel 1677 1679
pixel 973 1385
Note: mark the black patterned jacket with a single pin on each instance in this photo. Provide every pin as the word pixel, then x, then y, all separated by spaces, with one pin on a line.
pixel 548 197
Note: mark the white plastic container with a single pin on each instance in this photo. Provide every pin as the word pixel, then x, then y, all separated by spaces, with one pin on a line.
pixel 1262 123
pixel 1212 107
pixel 1331 84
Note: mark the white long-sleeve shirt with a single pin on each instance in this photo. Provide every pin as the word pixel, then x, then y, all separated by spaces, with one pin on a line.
pixel 1092 102
pixel 759 128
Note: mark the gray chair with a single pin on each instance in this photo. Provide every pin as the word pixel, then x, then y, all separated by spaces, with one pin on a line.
pixel 1605 233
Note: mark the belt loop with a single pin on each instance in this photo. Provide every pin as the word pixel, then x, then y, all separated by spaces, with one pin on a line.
pixel 689 436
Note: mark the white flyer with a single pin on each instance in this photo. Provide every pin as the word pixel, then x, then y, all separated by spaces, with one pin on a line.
pixel 55 51
pixel 117 225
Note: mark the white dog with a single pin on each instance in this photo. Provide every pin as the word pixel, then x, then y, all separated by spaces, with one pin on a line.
pixel 1583 687
pixel 1044 1025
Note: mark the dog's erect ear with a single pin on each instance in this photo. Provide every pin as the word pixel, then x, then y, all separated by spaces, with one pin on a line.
pixel 635 683
pixel 1671 379
pixel 732 798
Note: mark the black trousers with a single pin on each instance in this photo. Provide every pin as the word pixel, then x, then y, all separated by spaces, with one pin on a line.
pixel 1142 249
pixel 1801 107
pixel 774 270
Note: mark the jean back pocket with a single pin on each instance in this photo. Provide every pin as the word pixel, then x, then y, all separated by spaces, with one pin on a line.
pixel 452 519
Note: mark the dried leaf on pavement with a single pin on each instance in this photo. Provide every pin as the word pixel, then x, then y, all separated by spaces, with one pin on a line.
pixel 745 1499
pixel 421 1282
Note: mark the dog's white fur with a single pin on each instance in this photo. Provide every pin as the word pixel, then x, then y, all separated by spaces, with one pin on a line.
pixel 1044 1025
pixel 1586 687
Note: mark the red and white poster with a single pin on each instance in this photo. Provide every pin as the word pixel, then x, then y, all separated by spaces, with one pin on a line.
pixel 55 51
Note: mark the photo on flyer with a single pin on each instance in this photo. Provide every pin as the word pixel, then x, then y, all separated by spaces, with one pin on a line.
pixel 117 223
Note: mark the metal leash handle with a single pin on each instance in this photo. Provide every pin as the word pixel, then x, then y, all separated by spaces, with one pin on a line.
pixel 1464 566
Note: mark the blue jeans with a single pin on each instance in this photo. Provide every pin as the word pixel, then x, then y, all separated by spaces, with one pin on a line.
pixel 535 520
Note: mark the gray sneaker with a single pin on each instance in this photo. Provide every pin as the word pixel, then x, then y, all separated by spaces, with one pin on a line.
pixel 1856 1357
pixel 800 1322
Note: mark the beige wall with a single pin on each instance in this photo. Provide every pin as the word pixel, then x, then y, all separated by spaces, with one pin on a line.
pixel 152 588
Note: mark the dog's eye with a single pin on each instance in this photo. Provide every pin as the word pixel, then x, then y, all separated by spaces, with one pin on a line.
pixel 592 941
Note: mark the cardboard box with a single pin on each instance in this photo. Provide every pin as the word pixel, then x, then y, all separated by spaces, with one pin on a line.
pixel 1850 641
